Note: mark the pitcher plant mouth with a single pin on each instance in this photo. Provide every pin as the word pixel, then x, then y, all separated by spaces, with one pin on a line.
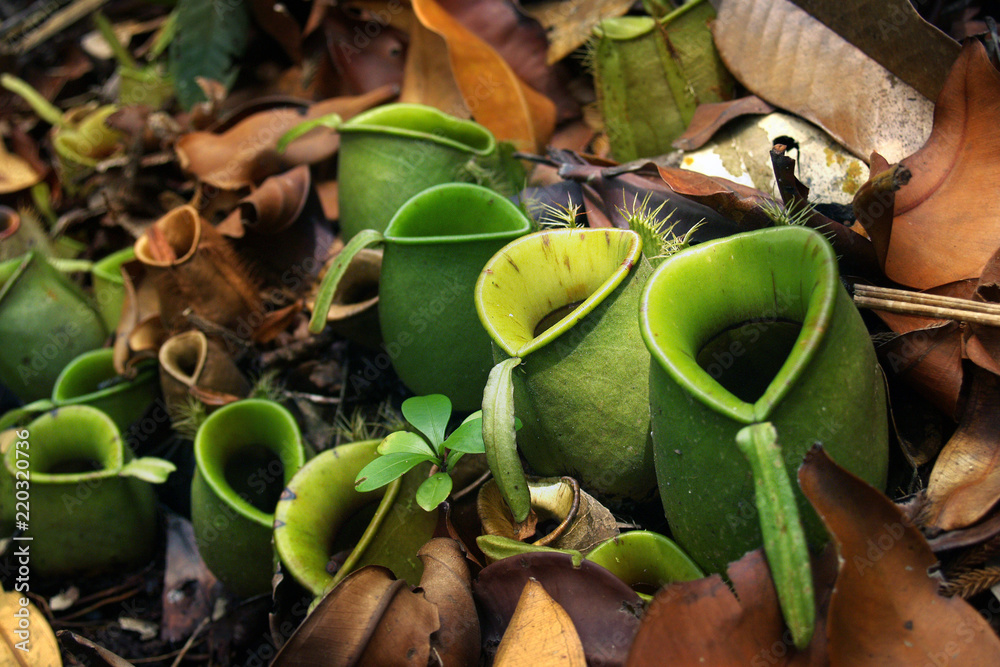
pixel 238 432
pixel 794 280
pixel 416 121
pixel 537 275
pixel 459 213
pixel 92 449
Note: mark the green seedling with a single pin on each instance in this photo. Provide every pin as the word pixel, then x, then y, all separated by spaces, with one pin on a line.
pixel 402 451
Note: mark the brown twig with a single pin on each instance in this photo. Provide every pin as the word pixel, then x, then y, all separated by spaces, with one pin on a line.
pixel 927 305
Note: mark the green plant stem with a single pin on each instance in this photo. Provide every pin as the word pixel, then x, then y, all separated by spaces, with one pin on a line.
pixel 41 106
pixel 107 31
pixel 384 506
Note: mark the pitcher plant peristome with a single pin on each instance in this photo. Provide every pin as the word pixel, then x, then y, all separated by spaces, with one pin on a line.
pixel 560 308
pixel 748 329
pixel 435 246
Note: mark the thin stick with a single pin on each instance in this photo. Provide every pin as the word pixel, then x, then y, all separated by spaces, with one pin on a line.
pixel 926 299
pixel 933 312
pixel 58 22
pixel 190 642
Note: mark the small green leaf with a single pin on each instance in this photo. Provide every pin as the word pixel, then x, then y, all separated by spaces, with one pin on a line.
pixel 148 469
pixel 330 120
pixel 478 414
pixel 404 441
pixel 434 491
pixel 386 468
pixel 429 415
pixel 467 438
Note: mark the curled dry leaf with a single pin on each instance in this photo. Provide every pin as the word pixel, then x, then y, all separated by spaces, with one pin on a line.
pixel 945 227
pixel 427 75
pixel 793 61
pixel 540 633
pixel 604 610
pixel 710 117
pixel 26 639
pixel 965 482
pixel 885 608
pixel 369 618
pixel 740 203
pixel 496 96
pixel 189 588
pixel 246 153
pixel 447 585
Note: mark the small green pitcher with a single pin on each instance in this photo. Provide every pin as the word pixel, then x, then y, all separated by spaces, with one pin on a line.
pixel 435 247
pixel 394 151
pixel 45 322
pixel 560 307
pixel 87 502
pixel 91 379
pixel 245 453
pixel 748 329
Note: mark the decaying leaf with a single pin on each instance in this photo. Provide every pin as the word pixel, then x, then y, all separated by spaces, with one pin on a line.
pixel 945 226
pixel 15 172
pixel 885 608
pixel 540 633
pixel 965 482
pixel 26 640
pixel 353 625
pixel 793 61
pixel 702 622
pixel 427 75
pixel 495 95
pixel 189 588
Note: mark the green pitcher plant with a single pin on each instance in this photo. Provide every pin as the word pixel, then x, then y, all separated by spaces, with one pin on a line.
pixel 87 503
pixel 91 379
pixel 435 246
pixel 245 454
pixel 757 353
pixel 46 321
pixel 559 306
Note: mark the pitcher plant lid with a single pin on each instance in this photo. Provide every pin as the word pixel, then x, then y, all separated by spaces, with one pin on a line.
pixel 540 273
pixel 676 320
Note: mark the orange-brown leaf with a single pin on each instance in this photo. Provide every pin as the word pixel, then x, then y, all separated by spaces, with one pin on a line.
pixel 946 223
pixel 495 95
pixel 540 633
pixel 885 608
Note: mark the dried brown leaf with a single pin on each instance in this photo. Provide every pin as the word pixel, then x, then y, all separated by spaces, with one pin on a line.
pixel 944 227
pixel 965 482
pixel 497 97
pixel 885 608
pixel 893 34
pixel 710 117
pixel 793 61
pixel 447 585
pixel 540 633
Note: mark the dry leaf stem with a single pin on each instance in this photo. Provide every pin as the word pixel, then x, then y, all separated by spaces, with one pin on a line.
pixel 927 305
